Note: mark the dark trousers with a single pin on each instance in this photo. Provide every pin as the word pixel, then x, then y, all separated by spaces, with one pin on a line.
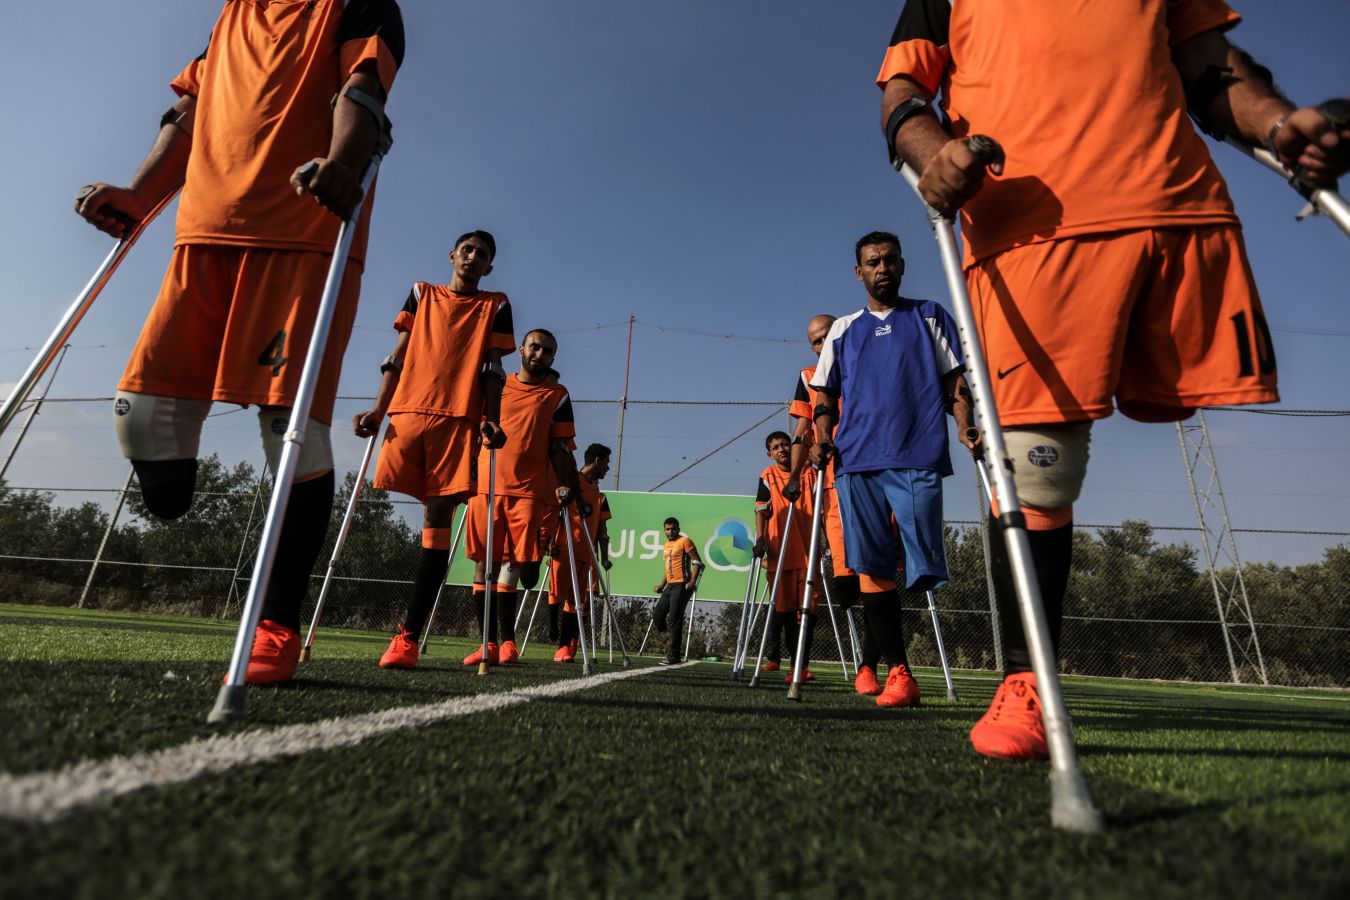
pixel 669 616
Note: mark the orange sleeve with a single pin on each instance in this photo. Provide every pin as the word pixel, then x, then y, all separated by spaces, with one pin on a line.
pixel 503 334
pixel 1188 18
pixel 922 62
pixel 359 51
pixel 189 81
pixel 404 321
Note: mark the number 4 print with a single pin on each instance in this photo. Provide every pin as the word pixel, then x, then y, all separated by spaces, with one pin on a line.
pixel 1264 357
pixel 273 354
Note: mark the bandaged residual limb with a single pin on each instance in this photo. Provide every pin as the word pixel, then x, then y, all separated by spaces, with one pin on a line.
pixel 1071 806
pixel 230 703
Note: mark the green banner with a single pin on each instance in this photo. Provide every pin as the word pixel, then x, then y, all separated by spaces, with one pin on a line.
pixel 721 526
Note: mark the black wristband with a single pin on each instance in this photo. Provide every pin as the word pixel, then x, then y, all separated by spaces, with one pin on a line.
pixel 912 106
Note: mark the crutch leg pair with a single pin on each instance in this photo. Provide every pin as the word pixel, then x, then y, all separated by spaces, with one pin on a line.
pixel 566 525
pixel 231 700
pixel 1071 801
pixel 606 597
pixel 746 618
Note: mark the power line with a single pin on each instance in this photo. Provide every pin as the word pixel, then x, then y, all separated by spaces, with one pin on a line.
pixel 719 448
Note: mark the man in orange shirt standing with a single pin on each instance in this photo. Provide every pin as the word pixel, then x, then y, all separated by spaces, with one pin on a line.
pixel 442 391
pixel 535 475
pixel 682 568
pixel 593 510
pixel 1104 260
pixel 771 530
pixel 257 222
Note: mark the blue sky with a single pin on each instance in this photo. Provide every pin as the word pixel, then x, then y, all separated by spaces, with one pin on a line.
pixel 699 165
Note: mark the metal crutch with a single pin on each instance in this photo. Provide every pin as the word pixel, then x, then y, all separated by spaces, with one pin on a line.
pixel 942 648
pixel 1071 805
pixel 539 593
pixel 231 701
pixel 834 623
pixel 489 580
pixel 435 604
pixel 71 319
pixel 812 573
pixel 609 606
pixel 338 545
pixel 744 650
pixel 745 616
pixel 773 594
pixel 689 620
pixel 576 589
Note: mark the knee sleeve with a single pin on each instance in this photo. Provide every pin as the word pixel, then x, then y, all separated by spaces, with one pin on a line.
pixel 316 453
pixel 508 576
pixel 158 429
pixel 529 575
pixel 1049 462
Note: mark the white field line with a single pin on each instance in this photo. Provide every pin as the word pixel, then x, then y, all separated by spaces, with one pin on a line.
pixel 46 796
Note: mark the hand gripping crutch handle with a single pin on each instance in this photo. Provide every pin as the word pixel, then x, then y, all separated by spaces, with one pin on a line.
pixel 73 314
pixel 812 573
pixel 231 700
pixel 1071 802
pixel 338 545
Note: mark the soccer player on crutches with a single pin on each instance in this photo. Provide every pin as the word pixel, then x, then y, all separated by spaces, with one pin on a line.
pixel 809 589
pixel 773 595
pixel 341 541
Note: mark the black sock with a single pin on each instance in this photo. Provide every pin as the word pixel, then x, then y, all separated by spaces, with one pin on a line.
pixel 871 653
pixel 431 566
pixel 847 591
pixel 302 535
pixel 568 630
pixel 773 648
pixel 505 601
pixel 810 636
pixel 553 634
pixel 883 619
pixel 1052 554
pixel 479 607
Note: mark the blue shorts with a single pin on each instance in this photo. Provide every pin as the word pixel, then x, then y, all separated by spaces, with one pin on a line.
pixel 868 500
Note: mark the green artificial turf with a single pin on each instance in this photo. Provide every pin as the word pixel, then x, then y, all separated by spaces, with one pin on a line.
pixel 675 783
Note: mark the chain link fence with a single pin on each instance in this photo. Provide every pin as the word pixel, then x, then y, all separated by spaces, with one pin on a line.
pixel 1140 602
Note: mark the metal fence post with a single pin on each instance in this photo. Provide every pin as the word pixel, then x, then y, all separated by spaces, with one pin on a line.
pixel 107 533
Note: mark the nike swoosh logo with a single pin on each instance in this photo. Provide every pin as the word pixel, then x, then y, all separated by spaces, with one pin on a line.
pixel 1004 373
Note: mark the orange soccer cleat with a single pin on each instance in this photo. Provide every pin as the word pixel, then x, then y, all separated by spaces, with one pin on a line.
pixel 807 675
pixel 474 658
pixel 865 682
pixel 1012 726
pixel 770 665
pixel 901 688
pixel 402 652
pixel 566 653
pixel 509 652
pixel 276 652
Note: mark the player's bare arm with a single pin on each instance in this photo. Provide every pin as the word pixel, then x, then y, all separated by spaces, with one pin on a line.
pixel 492 379
pixel 116 210
pixel 826 417
pixel 336 182
pixel 963 411
pixel 1231 92
pixel 802 438
pixel 565 470
pixel 367 423
pixel 950 173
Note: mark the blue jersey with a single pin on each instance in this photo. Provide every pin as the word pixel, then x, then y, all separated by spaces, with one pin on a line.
pixel 890 366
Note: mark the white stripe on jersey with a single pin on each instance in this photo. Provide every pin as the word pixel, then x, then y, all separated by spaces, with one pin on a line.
pixel 943 347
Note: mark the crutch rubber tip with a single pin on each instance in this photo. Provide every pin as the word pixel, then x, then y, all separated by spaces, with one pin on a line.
pixel 230 704
pixel 754 681
pixel 483 668
pixel 795 692
pixel 304 654
pixel 1071 807
pixel 951 696
pixel 627 663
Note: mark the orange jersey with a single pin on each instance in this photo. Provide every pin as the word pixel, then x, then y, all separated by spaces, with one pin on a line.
pixel 264 89
pixel 594 500
pixel 679 567
pixel 804 402
pixel 1086 103
pixel 533 417
pixel 450 336
pixel 773 507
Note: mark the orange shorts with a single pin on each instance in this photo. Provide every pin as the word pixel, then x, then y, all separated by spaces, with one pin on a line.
pixel 426 455
pixel 834 534
pixel 560 583
pixel 515 529
pixel 790 590
pixel 233 324
pixel 1161 320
